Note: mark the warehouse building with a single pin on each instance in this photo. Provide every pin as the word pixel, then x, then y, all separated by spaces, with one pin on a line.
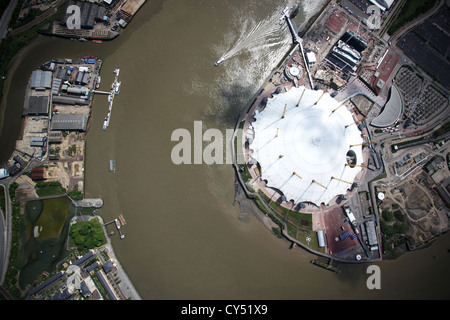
pixel 37 105
pixel 69 122
pixel 69 100
pixel 41 80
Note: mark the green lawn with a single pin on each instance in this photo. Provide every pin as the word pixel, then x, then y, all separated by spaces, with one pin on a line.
pixel 53 216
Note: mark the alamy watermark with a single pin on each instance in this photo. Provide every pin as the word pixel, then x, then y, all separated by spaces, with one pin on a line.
pixel 74 20
pixel 190 148
pixel 374 280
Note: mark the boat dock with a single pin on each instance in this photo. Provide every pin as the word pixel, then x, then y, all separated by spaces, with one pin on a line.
pixel 111 94
pixel 118 223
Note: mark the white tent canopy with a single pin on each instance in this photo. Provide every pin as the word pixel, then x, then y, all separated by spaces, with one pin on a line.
pixel 301 152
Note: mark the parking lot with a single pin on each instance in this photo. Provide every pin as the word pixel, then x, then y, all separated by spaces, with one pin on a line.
pixel 426 57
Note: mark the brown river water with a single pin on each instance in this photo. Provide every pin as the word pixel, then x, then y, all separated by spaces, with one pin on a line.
pixel 185 237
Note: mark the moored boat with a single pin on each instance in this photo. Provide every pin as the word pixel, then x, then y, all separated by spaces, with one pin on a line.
pixel 97 82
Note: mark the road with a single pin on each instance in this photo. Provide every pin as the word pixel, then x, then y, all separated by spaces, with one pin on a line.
pixel 5 19
pixel 5 230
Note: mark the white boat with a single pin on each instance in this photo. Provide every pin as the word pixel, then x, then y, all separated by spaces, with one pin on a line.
pixel 105 124
pixel 118 87
pixel 219 61
pixel 112 166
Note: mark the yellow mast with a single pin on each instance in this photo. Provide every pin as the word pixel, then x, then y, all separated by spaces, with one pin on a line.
pixel 295 174
pixel 360 144
pixel 341 105
pixel 341 180
pixel 321 96
pixel 355 122
pixel 304 89
pixel 319 184
pixel 356 165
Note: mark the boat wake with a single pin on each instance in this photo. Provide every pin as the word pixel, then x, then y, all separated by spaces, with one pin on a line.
pixel 256 35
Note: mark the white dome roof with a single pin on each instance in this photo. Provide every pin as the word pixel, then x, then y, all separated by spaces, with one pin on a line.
pixel 313 143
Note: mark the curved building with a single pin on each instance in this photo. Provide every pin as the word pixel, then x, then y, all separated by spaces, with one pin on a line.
pixel 392 110
pixel 304 141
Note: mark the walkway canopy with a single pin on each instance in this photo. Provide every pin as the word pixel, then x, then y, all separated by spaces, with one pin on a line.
pixel 302 150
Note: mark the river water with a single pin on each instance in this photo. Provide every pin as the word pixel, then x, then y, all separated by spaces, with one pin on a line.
pixel 185 238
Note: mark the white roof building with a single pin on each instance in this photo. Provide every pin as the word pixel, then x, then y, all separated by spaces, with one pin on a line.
pixel 304 153
pixel 392 110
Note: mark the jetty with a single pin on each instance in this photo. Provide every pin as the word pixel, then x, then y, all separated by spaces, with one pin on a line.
pixel 118 223
pixel 328 264
pixel 115 87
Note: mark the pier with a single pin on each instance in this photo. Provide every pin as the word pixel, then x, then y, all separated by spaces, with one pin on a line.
pixel 111 94
pixel 118 223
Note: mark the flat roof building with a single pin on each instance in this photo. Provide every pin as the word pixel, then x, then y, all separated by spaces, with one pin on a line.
pixel 69 122
pixel 38 105
pixel 69 100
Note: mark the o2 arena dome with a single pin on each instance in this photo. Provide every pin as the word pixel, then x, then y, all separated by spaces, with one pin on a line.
pixel 307 145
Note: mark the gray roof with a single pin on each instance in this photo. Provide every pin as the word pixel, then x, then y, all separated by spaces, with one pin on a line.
pixel 41 79
pixel 69 100
pixel 69 122
pixel 371 232
pixel 56 85
pixel 46 283
pixel 38 105
pixel 391 111
pixel 108 266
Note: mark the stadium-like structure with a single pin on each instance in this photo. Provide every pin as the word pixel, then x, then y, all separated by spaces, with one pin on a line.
pixel 308 146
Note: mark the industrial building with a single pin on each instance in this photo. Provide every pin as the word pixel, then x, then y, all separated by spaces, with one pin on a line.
pixel 346 53
pixel 82 78
pixel 70 100
pixel 38 105
pixel 41 80
pixel 69 122
pixel 38 173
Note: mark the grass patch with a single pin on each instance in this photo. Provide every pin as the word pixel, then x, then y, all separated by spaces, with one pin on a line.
pixel 53 217
pixel 51 188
